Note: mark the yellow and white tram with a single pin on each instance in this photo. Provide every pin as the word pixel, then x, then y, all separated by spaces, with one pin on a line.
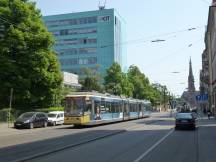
pixel 90 108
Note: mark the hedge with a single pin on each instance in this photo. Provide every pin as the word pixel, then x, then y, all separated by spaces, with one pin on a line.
pixel 50 109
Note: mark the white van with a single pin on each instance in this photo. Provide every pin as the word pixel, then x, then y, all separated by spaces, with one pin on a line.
pixel 55 117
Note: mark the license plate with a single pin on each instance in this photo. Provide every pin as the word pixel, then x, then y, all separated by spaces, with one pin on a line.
pixel 184 121
pixel 18 124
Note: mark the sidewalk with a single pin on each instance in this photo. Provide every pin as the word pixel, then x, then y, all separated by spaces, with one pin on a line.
pixel 6 129
pixel 207 140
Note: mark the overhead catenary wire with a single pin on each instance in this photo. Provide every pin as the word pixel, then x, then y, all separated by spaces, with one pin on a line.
pixel 135 41
pixel 173 53
pixel 149 39
pixel 206 2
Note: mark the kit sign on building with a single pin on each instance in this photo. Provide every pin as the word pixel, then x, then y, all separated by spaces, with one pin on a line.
pixel 103 18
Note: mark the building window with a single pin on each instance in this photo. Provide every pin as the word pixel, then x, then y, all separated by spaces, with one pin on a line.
pixel 56 33
pixel 74 51
pixel 85 20
pixel 91 50
pixel 63 32
pixel 74 31
pixel 92 60
pixel 76 41
pixel 79 61
pixel 85 41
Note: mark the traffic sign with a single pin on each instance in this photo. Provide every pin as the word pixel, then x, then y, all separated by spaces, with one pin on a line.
pixel 202 97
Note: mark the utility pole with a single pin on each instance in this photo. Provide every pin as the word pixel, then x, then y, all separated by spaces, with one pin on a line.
pixel 164 97
pixel 10 104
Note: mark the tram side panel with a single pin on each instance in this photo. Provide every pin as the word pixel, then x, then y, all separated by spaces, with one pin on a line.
pixel 96 110
pixel 107 110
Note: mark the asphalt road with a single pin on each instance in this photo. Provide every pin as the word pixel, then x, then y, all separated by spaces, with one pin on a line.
pixel 124 147
pixel 154 142
pixel 17 145
pixel 145 140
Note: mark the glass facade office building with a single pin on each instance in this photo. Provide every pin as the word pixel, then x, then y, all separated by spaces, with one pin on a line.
pixel 88 39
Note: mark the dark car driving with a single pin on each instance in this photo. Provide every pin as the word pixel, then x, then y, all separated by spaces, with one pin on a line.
pixel 185 120
pixel 31 120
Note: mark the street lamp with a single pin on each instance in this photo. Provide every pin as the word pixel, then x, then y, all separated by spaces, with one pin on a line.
pixel 191 29
pixel 158 40
pixel 182 83
pixel 175 72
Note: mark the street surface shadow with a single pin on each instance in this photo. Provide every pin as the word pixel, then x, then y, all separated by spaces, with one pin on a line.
pixel 56 144
pixel 97 125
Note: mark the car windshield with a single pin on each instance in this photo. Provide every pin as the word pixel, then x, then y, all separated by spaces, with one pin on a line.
pixel 50 115
pixel 184 116
pixel 27 115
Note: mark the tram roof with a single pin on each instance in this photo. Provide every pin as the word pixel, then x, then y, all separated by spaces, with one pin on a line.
pixel 106 95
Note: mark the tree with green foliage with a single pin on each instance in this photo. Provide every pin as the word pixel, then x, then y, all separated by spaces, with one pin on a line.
pixel 92 80
pixel 113 79
pixel 127 86
pixel 140 83
pixel 27 62
pixel 161 94
pixel 155 95
pixel 116 82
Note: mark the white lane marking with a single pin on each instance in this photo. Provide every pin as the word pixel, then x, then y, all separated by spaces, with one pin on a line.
pixel 154 146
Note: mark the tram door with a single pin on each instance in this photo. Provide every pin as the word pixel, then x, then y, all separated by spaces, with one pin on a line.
pixel 140 110
pixel 126 110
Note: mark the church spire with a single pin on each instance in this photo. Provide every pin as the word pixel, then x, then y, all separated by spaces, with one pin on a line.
pixel 191 87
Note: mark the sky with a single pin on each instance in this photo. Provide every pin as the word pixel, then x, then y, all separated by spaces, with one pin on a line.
pixel 149 20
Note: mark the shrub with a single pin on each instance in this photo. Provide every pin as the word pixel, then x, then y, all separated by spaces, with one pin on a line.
pixel 50 109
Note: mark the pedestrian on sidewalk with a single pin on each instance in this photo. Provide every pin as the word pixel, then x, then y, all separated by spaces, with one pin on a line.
pixel 209 113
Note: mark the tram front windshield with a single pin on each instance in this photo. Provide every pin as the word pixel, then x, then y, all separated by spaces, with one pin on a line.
pixel 75 105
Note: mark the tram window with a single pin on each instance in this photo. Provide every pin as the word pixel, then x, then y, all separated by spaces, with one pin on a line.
pixel 88 106
pixel 126 107
pixel 131 107
pixel 68 105
pixel 134 107
pixel 118 106
pixel 78 103
pixel 113 107
pixel 108 107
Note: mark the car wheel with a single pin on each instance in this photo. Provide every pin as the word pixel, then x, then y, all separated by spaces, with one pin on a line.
pixel 45 124
pixel 31 126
